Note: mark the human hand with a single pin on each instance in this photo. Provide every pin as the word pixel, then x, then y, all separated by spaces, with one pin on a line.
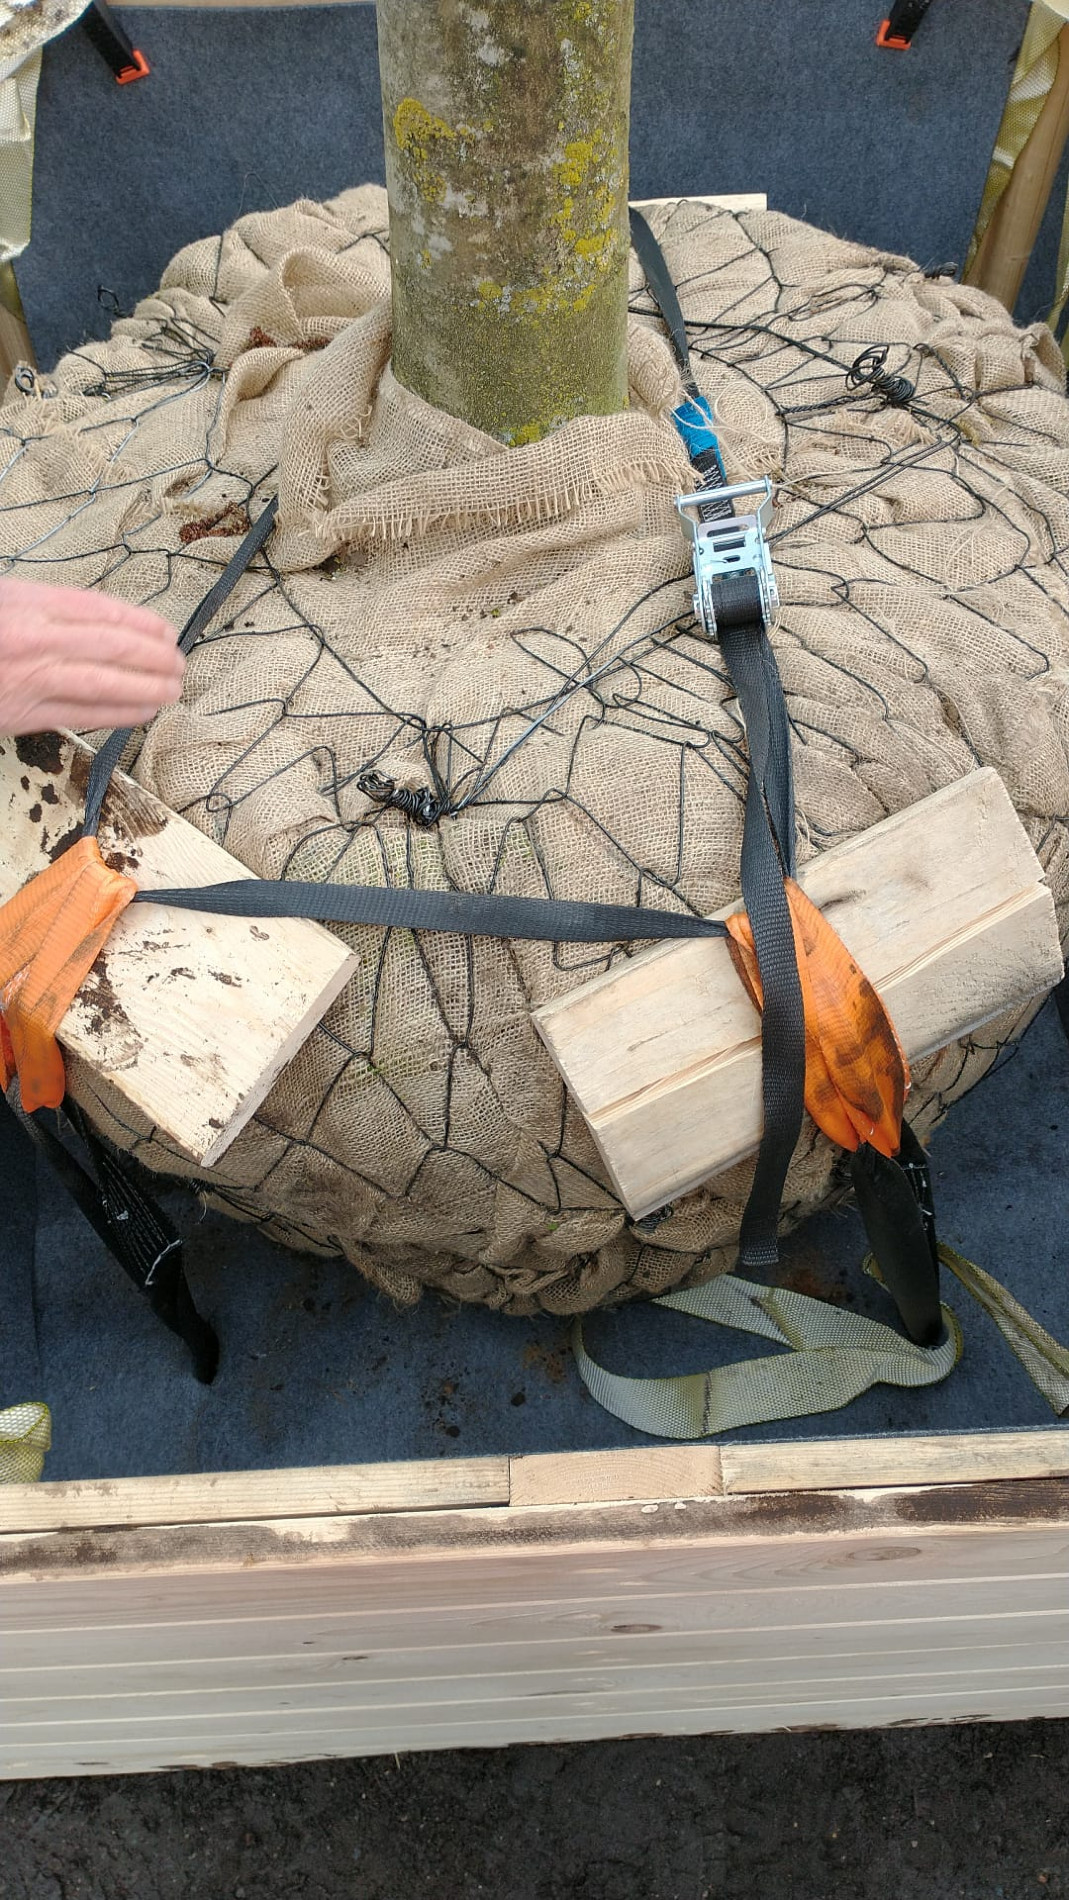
pixel 72 658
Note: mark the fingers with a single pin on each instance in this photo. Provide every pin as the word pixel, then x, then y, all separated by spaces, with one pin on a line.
pixel 97 696
pixel 82 659
pixel 104 647
pixel 52 718
pixel 81 607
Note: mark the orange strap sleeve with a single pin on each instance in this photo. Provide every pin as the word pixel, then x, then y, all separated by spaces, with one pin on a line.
pixel 51 934
pixel 856 1073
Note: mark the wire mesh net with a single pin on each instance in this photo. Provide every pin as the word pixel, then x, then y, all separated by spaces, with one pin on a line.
pixel 458 666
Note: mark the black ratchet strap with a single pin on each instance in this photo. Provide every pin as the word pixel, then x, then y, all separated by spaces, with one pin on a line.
pixel 133 1227
pixel 113 44
pixel 897 30
pixel 768 843
pixel 894 1196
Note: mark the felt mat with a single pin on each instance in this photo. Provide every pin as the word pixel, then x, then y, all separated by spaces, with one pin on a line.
pixel 252 108
pixel 318 1369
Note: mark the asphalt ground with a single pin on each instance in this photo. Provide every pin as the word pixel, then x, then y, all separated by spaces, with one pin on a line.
pixel 974 1812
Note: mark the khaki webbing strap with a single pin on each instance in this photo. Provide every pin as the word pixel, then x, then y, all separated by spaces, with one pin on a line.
pixel 1045 1361
pixel 834 1357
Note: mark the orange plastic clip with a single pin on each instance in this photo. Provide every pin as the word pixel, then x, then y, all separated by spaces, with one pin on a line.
pixel 51 934
pixel 138 69
pixel 856 1074
pixel 894 41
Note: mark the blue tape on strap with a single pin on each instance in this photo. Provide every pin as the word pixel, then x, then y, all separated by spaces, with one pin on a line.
pixel 694 420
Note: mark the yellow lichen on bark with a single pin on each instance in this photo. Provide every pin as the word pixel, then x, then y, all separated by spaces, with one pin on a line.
pixel 506 129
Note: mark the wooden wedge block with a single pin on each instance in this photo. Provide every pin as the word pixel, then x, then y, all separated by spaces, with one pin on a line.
pixel 943 906
pixel 190 1017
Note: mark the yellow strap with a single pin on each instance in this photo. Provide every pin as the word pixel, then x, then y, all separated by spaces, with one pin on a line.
pixel 25 1436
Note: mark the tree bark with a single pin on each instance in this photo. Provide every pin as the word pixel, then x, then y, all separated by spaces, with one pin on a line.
pixel 506 128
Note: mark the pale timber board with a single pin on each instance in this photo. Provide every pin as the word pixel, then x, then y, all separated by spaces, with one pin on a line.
pixel 881 1618
pixel 602 1477
pixel 644 1473
pixel 873 1462
pixel 522 1706
pixel 233 1496
pixel 226 1750
pixel 998 1589
pixel 191 1018
pixel 524 1562
pixel 944 907
pixel 683 1472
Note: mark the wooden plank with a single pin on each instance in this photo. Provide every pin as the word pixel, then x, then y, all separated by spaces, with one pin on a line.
pixel 236 1496
pixel 268 1747
pixel 671 1472
pixel 833 1464
pixel 708 1471
pixel 466 1562
pixel 76 1633
pixel 548 1637
pixel 945 909
pixel 111 1715
pixel 191 1018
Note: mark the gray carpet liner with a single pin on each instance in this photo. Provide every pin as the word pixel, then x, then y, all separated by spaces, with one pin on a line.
pixel 318 1369
pixel 248 109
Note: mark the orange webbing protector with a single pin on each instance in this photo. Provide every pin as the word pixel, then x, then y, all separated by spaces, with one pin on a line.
pixel 51 934
pixel 856 1074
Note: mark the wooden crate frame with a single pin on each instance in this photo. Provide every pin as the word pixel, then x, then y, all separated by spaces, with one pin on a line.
pixel 280 1616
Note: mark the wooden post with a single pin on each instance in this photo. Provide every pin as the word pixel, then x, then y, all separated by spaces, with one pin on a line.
pixel 1002 258
pixel 506 128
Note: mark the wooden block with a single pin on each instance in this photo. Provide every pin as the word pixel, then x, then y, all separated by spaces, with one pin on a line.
pixel 603 1477
pixel 191 1018
pixel 943 906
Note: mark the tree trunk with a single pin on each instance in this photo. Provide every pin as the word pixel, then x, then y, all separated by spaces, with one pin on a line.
pixel 506 126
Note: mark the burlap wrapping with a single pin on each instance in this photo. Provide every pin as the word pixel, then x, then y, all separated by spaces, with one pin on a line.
pixel 520 621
